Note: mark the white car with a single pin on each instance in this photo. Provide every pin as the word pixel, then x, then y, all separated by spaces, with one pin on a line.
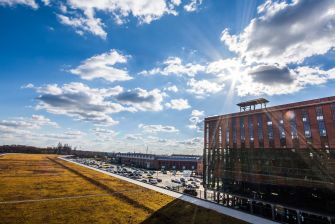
pixel 153 181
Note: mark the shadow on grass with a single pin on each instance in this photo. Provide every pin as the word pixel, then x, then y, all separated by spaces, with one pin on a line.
pixel 181 212
pixel 104 187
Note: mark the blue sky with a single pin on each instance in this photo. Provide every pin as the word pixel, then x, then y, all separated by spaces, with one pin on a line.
pixel 113 75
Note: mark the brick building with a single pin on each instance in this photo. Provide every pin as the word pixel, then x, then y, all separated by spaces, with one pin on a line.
pixel 283 155
pixel 159 162
pixel 178 162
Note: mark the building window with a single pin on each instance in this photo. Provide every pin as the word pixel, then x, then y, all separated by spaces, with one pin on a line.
pixel 242 132
pixel 321 123
pixel 294 131
pixel 282 135
pixel 307 126
pixel 207 135
pixel 260 130
pixel 234 132
pixel 270 130
pixel 227 133
pixel 322 127
pixel 220 136
pixel 332 107
pixel 251 131
pixel 213 127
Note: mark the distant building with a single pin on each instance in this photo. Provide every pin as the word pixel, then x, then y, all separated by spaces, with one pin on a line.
pixel 158 162
pixel 276 161
pixel 178 162
pixel 147 161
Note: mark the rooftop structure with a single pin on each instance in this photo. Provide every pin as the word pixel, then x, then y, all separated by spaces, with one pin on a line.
pixel 252 104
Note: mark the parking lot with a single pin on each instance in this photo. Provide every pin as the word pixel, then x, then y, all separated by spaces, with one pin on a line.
pixel 183 182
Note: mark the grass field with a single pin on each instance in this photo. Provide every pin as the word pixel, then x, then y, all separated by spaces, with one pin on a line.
pixel 44 189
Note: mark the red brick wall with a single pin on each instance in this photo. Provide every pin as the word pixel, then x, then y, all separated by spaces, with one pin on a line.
pixel 327 114
pixel 238 132
pixel 265 131
pixel 247 136
pixel 300 129
pixel 287 127
pixel 275 125
pixel 230 133
pixel 275 114
pixel 256 142
pixel 314 127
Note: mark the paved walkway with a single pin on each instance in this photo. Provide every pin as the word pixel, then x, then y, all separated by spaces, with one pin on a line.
pixel 203 203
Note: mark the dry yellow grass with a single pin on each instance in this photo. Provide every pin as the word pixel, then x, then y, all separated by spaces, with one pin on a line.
pixel 62 192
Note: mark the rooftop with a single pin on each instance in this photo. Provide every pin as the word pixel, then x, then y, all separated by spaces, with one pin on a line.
pixel 288 106
pixel 252 104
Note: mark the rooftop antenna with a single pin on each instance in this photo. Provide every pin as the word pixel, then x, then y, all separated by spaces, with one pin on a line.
pixel 147 150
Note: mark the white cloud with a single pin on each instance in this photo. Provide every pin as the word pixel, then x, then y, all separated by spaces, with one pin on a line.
pixel 202 88
pixel 197 141
pixel 95 105
pixel 145 11
pixel 142 100
pixel 178 104
pixel 196 120
pixel 23 123
pixel 289 80
pixel 192 5
pixel 80 101
pixel 46 2
pixel 30 3
pixel 133 137
pixel 84 23
pixel 174 66
pixel 104 135
pixel 286 32
pixel 154 128
pixel 173 88
pixel 103 66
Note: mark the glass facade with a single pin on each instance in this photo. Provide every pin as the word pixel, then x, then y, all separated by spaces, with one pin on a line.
pixel 321 123
pixel 282 135
pixel 220 137
pixel 207 135
pixel 242 132
pixel 332 107
pixel 307 126
pixel 233 123
pixel 260 130
pixel 251 131
pixel 227 133
pixel 294 131
pixel 270 130
pixel 322 127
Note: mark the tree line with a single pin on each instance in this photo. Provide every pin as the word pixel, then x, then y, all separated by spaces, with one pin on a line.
pixel 60 149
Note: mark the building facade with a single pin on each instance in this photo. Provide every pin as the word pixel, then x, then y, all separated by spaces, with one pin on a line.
pixel 178 162
pixel 283 155
pixel 159 162
pixel 147 161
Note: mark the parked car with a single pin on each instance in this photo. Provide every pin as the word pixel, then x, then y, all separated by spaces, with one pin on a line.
pixel 159 180
pixel 190 191
pixel 164 172
pixel 153 181
pixel 176 181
